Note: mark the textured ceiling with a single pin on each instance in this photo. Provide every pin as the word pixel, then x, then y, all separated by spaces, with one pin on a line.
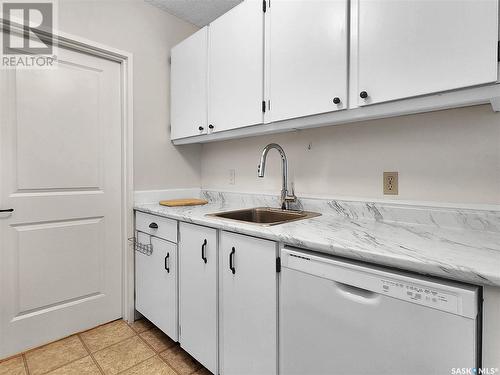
pixel 197 12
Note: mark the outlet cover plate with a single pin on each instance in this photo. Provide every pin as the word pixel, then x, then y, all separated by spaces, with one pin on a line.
pixel 391 183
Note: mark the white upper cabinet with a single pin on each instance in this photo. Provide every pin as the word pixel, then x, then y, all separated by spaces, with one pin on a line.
pixel 236 66
pixel 188 81
pixel 307 57
pixel 406 48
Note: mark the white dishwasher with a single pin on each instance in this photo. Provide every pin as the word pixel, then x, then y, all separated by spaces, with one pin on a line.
pixel 343 317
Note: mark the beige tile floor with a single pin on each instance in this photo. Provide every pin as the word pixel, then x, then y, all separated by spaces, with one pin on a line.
pixel 113 348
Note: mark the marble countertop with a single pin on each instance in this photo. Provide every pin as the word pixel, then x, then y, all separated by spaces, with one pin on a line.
pixel 463 253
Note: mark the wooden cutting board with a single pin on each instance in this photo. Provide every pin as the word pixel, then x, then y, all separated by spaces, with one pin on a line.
pixel 183 202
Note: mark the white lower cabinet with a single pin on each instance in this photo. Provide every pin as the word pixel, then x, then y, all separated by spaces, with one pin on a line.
pixel 156 284
pixel 214 291
pixel 198 293
pixel 248 305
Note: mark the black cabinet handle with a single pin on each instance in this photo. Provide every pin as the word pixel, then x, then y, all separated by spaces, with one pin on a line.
pixel 231 261
pixel 363 95
pixel 211 126
pixel 200 128
pixel 167 267
pixel 336 100
pixel 7 210
pixel 153 226
pixel 203 248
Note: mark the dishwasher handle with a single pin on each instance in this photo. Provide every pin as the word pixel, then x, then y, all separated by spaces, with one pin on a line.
pixel 357 294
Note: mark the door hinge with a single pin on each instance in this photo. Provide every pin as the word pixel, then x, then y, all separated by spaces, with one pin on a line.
pixel 498 51
pixel 264 106
pixel 264 6
pixel 278 264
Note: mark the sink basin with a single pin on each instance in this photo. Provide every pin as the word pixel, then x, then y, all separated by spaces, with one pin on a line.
pixel 265 215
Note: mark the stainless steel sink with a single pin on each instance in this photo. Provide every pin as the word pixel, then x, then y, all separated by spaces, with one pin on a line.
pixel 265 216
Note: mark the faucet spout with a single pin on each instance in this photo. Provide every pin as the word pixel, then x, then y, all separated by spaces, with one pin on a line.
pixel 286 197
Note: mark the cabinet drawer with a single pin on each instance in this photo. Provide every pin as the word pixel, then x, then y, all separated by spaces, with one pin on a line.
pixel 166 228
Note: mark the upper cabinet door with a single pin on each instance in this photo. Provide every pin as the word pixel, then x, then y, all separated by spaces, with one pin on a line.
pixel 413 47
pixel 188 81
pixel 308 57
pixel 236 63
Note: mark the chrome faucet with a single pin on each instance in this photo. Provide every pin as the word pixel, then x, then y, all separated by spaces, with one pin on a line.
pixel 286 196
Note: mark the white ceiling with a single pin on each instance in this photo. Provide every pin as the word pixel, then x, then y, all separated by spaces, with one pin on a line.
pixel 197 12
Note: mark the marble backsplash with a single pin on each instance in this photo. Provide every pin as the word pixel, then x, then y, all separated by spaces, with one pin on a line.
pixel 440 217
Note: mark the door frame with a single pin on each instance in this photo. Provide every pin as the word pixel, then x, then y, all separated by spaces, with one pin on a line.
pixel 125 59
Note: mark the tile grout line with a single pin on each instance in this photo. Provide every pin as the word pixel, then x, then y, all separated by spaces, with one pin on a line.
pixel 171 366
pixel 55 368
pixel 65 364
pixel 23 353
pixel 157 353
pixel 25 361
pixel 140 338
pixel 90 354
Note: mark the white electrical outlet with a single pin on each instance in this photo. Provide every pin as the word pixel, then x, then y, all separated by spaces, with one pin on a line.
pixel 232 176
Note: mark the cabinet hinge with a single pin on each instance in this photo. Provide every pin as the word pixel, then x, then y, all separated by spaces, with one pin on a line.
pixel 264 106
pixel 264 6
pixel 278 264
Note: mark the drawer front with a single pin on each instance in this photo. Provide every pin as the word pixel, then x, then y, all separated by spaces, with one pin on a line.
pixel 166 228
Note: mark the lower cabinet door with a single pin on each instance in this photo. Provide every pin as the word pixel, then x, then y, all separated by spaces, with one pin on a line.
pixel 198 293
pixel 156 285
pixel 248 343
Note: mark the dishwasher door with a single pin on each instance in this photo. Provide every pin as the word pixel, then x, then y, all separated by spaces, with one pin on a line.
pixel 342 317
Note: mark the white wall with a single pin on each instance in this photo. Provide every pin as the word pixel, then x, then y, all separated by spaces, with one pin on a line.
pixel 445 156
pixel 149 33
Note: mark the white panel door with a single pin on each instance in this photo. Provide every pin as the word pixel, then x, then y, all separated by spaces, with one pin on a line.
pixel 414 47
pixel 156 284
pixel 248 316
pixel 60 162
pixel 236 67
pixel 308 57
pixel 198 293
pixel 188 86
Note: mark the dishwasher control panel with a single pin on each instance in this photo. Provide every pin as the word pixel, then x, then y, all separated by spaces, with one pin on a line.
pixel 444 295
pixel 419 294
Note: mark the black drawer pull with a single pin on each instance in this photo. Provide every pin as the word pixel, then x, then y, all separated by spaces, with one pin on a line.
pixel 7 210
pixel 153 226
pixel 231 261
pixel 167 262
pixel 203 250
